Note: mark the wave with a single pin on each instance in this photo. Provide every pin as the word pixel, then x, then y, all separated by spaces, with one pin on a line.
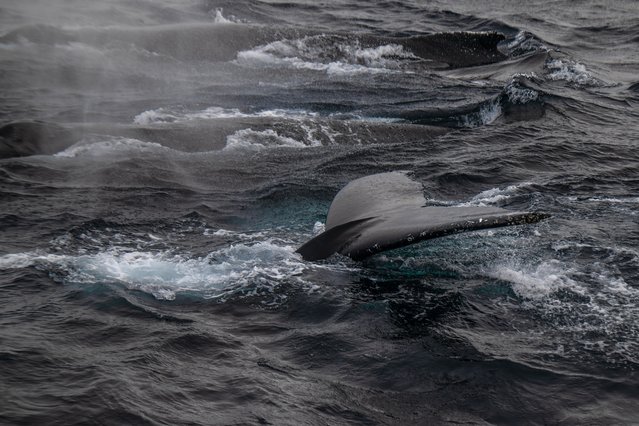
pixel 334 55
pixel 253 140
pixel 515 102
pixel 524 43
pixel 340 54
pixel 572 72
pixel 99 147
pixel 20 139
pixel 170 131
pixel 219 18
pixel 555 68
pixel 177 115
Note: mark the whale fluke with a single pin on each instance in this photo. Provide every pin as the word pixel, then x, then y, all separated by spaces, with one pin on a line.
pixel 387 210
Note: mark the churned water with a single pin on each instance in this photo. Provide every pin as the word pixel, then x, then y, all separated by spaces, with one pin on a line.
pixel 161 161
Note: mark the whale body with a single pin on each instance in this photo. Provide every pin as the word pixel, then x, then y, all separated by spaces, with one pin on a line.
pixel 385 211
pixel 223 42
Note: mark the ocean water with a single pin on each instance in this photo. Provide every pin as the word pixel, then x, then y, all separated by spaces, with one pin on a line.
pixel 161 161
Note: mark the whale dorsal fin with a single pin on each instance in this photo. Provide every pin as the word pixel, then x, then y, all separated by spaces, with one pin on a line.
pixel 387 210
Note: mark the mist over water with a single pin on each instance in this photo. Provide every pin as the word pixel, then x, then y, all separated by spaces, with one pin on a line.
pixel 161 161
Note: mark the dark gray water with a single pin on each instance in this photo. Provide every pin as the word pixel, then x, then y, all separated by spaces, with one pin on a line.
pixel 161 161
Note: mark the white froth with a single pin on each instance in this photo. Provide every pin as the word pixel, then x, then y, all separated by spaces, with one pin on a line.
pixel 487 114
pixel 254 140
pixel 579 301
pixel 535 282
pixel 572 72
pixel 613 200
pixel 520 95
pixel 346 57
pixel 26 259
pixel 495 195
pixel 218 18
pixel 242 269
pixel 525 43
pixel 318 228
pixel 110 146
pixel 168 115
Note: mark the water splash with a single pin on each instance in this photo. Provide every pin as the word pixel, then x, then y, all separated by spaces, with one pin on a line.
pixel 334 55
pixel 571 72
pixel 254 140
pixel 178 115
pixel 525 43
pixel 99 147
pixel 239 270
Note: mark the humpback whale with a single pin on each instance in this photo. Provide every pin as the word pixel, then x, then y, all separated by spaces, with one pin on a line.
pixel 223 42
pixel 24 138
pixel 385 211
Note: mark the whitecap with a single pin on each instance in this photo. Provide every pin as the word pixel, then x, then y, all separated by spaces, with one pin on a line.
pixel 254 140
pixel 218 18
pixel 487 114
pixel 176 115
pixel 495 195
pixel 99 148
pixel 570 71
pixel 333 55
pixel 525 43
pixel 518 94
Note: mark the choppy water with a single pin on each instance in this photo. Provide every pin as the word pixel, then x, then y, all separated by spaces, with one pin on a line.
pixel 184 150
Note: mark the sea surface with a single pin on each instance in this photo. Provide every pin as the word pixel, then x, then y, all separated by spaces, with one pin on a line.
pixel 162 160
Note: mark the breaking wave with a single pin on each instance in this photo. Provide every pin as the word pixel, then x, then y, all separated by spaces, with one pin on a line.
pixel 335 55
pixel 572 72
pixel 93 147
pixel 177 115
pixel 249 139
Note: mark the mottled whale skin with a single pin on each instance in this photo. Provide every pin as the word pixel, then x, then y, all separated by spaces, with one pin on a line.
pixel 387 210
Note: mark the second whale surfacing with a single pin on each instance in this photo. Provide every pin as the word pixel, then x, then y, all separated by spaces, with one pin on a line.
pixel 385 211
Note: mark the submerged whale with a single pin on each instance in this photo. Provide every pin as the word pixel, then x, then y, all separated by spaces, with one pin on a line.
pixel 387 210
pixel 223 42
pixel 25 138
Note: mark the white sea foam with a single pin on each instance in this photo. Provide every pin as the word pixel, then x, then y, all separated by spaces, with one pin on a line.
pixel 219 18
pixel 535 282
pixel 615 200
pixel 491 110
pixel 580 301
pixel 172 115
pixel 495 195
pixel 254 140
pixel 525 43
pixel 113 145
pixel 487 114
pixel 236 236
pixel 335 56
pixel 571 71
pixel 242 269
pixel 26 259
pixel 518 94
pixel 318 228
